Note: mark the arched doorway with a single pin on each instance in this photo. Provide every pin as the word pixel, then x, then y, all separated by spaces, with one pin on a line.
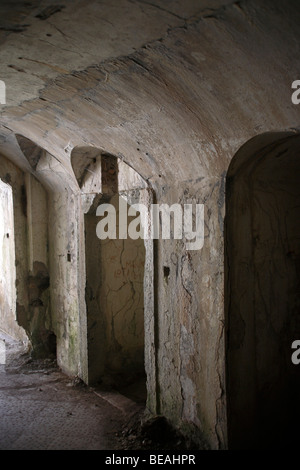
pixel 118 285
pixel 262 286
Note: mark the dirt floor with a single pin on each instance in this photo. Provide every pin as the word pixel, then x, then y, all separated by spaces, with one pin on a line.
pixel 43 409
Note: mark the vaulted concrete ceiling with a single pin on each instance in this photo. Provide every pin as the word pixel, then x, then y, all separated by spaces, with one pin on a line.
pixel 172 87
pixel 44 39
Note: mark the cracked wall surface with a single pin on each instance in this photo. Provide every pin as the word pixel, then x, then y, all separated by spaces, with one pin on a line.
pixel 115 281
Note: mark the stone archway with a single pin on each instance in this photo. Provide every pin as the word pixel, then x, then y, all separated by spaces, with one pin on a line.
pixel 118 273
pixel 262 286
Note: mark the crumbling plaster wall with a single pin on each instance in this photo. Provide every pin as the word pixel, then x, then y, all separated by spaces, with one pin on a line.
pixel 177 110
pixel 30 233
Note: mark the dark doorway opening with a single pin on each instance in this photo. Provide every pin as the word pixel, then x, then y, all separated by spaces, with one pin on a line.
pixel 262 285
pixel 118 272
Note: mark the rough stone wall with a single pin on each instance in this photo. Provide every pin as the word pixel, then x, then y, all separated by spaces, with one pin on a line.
pixel 190 330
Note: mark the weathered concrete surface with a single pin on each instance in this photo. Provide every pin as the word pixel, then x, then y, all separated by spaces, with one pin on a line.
pixel 80 34
pixel 175 99
pixel 42 409
pixel 163 101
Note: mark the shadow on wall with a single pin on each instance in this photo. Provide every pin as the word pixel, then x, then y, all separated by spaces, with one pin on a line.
pixel 262 272
pixel 115 270
pixel 115 302
pixel 29 228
